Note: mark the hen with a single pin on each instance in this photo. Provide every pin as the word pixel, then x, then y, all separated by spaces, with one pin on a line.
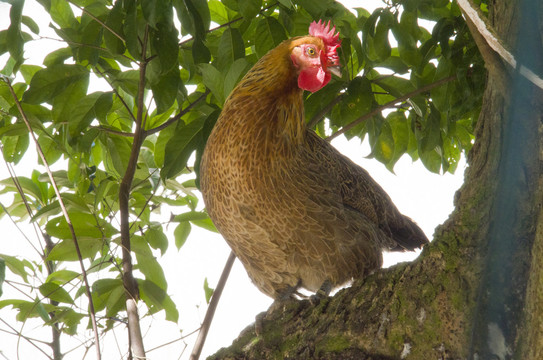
pixel 294 210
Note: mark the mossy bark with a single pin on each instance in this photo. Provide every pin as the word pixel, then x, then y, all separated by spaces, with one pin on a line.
pixel 433 308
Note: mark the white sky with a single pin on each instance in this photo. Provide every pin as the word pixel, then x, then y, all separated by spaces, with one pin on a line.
pixel 423 196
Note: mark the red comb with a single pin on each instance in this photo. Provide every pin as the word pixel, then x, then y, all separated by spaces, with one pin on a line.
pixel 331 40
pixel 324 32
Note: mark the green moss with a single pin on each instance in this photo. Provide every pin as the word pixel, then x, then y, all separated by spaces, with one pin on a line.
pixel 335 343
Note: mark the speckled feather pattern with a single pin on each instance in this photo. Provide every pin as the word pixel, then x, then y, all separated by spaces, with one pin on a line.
pixel 292 208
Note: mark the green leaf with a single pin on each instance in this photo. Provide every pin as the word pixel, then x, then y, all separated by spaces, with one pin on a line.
pixel 165 42
pixel 62 14
pixel 156 238
pixel 165 89
pixel 315 8
pixel 356 102
pixel 108 294
pixel 114 21
pixel 179 148
pixel 17 266
pixel 66 101
pixel 27 309
pixel 157 299
pixel 430 142
pixel 55 292
pixel 249 8
pixel 401 133
pixel 383 148
pixel 15 41
pixel 57 57
pixel 181 233
pixel 62 276
pixel 50 148
pixel 128 81
pixel 156 12
pixel 131 29
pixel 191 216
pixel 31 24
pixel 268 34
pixel 28 71
pixel 86 226
pixel 117 152
pixel 205 224
pixel 93 106
pixel 441 95
pixel 213 80
pixel 194 16
pixel 14 147
pixel 381 42
pixel 65 249
pixel 231 48
pixel 200 53
pixel 30 188
pixel 67 316
pixel 47 83
pixel 235 73
pixel 147 263
pixel 208 291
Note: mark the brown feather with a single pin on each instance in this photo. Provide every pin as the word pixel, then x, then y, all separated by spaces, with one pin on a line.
pixel 293 209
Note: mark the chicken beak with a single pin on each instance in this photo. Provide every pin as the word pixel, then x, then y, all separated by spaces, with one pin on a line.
pixel 335 69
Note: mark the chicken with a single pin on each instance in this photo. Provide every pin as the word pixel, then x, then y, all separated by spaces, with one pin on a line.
pixel 295 211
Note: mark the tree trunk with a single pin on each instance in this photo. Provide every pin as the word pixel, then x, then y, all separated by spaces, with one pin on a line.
pixel 476 290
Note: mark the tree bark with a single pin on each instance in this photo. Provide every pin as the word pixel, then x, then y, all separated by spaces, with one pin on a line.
pixel 476 290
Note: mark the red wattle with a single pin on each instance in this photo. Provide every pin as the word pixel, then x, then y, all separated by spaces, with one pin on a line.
pixel 313 78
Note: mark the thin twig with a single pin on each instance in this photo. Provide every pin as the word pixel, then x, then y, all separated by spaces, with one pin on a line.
pixel 176 117
pixel 98 21
pixel 389 105
pixel 64 212
pixel 197 350
pixel 174 341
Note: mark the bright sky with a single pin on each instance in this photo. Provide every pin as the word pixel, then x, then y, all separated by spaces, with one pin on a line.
pixel 426 198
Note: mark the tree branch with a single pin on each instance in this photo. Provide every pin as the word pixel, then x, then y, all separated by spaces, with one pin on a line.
pixel 130 285
pixel 389 105
pixel 196 351
pixel 64 212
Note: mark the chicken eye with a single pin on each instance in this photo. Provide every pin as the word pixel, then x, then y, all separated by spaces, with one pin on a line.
pixel 311 51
